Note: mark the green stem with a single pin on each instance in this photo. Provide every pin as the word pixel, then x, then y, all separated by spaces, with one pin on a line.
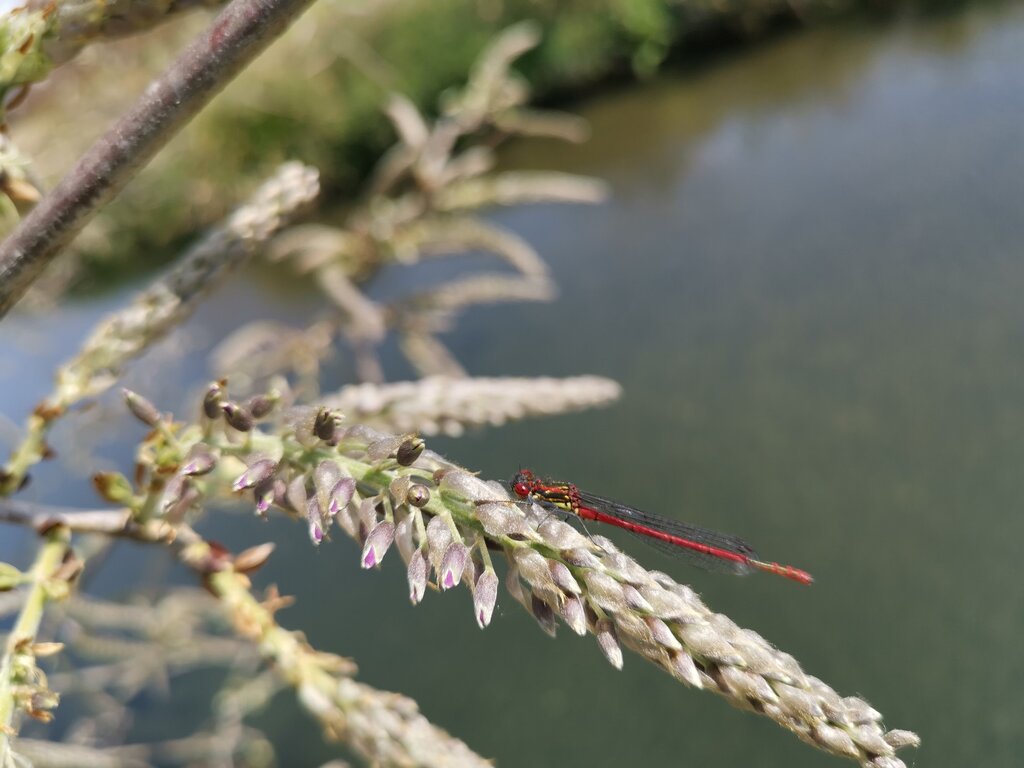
pixel 48 560
pixel 28 453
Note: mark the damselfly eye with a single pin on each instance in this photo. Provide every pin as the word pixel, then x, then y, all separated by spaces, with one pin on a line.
pixel 521 489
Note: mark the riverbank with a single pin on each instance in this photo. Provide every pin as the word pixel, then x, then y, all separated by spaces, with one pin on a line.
pixel 317 94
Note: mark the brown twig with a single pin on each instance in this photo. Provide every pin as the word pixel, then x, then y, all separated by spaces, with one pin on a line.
pixel 234 38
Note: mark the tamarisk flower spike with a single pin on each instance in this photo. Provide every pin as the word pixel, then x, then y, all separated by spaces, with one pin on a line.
pixel 555 572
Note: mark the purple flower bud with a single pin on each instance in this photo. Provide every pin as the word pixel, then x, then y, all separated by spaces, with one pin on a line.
pixel 485 595
pixel 141 408
pixel 257 472
pixel 315 520
pixel 608 643
pixel 453 564
pixel 316 533
pixel 237 416
pixel 199 460
pixel 266 493
pixel 377 543
pixel 326 474
pixel 342 494
pixel 439 536
pixel 417 574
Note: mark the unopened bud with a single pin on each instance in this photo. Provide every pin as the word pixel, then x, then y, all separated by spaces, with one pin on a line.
pixel 257 472
pixel 418 495
pixel 212 400
pixel 409 451
pixel 261 405
pixel 141 408
pixel 199 460
pixel 237 416
pixel 253 558
pixel 326 423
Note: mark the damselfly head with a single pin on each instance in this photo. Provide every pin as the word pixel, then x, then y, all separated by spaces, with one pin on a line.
pixel 522 483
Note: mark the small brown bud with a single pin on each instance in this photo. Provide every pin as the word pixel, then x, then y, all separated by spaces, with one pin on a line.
pixel 418 495
pixel 212 399
pixel 409 451
pixel 237 416
pixel 326 423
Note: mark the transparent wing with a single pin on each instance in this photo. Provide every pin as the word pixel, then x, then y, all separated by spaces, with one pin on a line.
pixel 675 535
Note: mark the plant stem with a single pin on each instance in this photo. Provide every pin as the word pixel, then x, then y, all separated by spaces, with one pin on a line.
pixel 48 559
pixel 233 39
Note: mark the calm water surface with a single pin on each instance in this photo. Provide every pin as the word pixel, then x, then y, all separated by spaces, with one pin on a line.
pixel 809 282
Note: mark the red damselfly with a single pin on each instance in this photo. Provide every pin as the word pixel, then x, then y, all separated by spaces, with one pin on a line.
pixel 705 548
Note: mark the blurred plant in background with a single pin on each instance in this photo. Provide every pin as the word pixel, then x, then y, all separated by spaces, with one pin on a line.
pixel 349 461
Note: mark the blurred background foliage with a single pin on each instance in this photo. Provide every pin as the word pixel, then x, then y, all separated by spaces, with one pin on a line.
pixel 317 95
